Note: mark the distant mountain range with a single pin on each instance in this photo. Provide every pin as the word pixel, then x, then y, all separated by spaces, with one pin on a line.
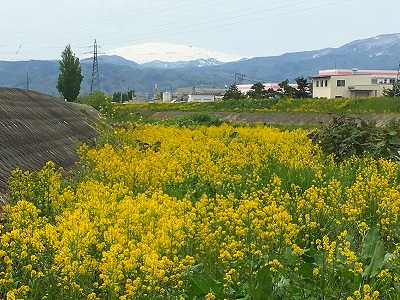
pixel 167 52
pixel 182 66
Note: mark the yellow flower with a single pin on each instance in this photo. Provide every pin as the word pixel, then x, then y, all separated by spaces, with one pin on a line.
pixel 357 294
pixel 375 295
pixel 210 296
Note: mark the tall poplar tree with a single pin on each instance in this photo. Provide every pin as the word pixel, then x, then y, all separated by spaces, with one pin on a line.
pixel 70 78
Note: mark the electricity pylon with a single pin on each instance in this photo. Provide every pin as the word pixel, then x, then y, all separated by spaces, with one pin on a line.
pixel 95 86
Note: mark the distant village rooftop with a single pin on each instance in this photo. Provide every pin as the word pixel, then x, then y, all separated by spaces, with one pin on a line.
pixel 354 71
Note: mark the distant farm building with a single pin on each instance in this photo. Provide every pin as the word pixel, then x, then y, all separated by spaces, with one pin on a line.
pixel 167 97
pixel 244 88
pixel 201 98
pixel 352 83
pixel 183 94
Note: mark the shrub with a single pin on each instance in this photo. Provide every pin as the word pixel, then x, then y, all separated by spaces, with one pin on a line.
pixel 99 101
pixel 192 120
pixel 346 136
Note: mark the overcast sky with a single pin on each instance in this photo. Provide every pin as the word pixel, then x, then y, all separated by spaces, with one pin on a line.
pixel 40 29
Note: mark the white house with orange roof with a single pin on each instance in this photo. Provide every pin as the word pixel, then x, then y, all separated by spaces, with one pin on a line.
pixel 352 83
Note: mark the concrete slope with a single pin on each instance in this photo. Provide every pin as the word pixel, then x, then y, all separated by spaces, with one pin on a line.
pixel 36 128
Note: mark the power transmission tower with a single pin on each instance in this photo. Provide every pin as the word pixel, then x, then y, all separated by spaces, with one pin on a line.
pixel 95 86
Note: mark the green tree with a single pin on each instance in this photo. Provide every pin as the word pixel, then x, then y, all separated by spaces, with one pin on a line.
pixel 271 93
pixel 125 96
pixel 233 93
pixel 257 91
pixel 303 87
pixel 70 78
pixel 131 94
pixel 286 89
pixel 394 91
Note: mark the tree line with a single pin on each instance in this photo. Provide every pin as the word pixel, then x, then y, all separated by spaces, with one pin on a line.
pixel 303 89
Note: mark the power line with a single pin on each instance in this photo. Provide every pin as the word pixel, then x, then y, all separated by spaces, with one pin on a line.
pixel 163 25
pixel 203 25
pixel 112 18
pixel 215 18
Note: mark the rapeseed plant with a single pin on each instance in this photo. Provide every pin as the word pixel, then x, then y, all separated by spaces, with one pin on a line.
pixel 215 212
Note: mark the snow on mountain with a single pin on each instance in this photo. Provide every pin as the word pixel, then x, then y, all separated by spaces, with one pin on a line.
pixel 167 52
pixel 323 52
pixel 198 63
pixel 380 42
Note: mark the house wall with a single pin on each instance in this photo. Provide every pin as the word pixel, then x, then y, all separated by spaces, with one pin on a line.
pixel 200 98
pixel 349 81
pixel 355 83
pixel 322 87
pixel 182 93
pixel 346 86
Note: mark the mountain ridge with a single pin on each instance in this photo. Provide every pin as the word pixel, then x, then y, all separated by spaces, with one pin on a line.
pixel 118 73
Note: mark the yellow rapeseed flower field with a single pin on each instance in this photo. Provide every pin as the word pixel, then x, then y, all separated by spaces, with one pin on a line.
pixel 228 212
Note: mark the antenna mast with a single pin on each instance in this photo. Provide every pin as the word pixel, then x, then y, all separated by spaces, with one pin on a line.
pixel 155 89
pixel 95 86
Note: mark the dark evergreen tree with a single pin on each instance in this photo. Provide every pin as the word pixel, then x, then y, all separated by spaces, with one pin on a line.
pixel 117 97
pixel 287 90
pixel 70 78
pixel 303 88
pixel 394 91
pixel 271 93
pixel 257 91
pixel 131 94
pixel 233 93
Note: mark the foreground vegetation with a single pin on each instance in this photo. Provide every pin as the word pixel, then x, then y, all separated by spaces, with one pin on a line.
pixel 227 212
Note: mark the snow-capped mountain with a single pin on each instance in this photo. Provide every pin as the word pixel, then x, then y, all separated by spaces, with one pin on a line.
pixel 378 43
pixel 168 52
pixel 198 63
pixel 381 45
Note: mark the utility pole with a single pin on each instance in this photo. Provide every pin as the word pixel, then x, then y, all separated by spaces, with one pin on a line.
pixel 155 90
pixel 27 81
pixel 396 83
pixel 239 77
pixel 95 86
pixel 122 82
